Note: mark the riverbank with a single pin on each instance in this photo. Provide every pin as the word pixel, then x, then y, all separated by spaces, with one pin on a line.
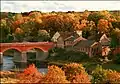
pixel 57 75
pixel 8 77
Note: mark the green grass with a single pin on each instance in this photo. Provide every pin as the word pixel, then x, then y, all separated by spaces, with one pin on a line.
pixel 92 65
pixel 112 66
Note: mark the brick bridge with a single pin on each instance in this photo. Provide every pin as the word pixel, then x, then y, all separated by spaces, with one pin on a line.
pixel 22 48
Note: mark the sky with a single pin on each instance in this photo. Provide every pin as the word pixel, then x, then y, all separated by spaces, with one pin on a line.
pixel 48 6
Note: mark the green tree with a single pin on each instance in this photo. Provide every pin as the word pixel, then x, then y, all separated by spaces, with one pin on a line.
pixel 43 35
pixel 4 30
pixel 95 17
pixel 115 35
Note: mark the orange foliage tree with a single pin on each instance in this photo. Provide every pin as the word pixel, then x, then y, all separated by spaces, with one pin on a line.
pixel 54 75
pixel 81 78
pixel 76 73
pixel 103 25
pixel 54 23
pixel 30 75
pixel 113 77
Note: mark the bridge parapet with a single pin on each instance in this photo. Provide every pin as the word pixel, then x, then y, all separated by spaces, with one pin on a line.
pixel 45 46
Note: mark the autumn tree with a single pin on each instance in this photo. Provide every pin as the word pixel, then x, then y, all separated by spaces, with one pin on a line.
pixel 34 14
pixel 3 15
pixel 5 30
pixel 54 23
pixel 30 75
pixel 95 16
pixel 28 28
pixel 113 76
pixel 18 35
pixel 103 26
pixel 75 73
pixel 54 75
pixel 85 14
pixel 90 31
pixel 80 25
pixel 43 35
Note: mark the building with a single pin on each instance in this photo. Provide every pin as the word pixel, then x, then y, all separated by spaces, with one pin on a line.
pixel 105 42
pixel 90 47
pixel 63 39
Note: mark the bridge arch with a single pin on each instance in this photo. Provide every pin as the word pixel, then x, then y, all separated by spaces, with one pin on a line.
pixel 11 48
pixel 37 48
pixel 14 52
pixel 40 54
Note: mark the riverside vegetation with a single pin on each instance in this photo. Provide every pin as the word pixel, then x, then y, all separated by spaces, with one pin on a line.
pixel 69 73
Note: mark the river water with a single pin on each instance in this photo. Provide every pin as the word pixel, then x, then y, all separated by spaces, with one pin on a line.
pixel 8 64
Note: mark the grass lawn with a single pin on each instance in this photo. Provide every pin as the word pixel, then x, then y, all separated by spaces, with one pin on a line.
pixel 112 66
pixel 92 65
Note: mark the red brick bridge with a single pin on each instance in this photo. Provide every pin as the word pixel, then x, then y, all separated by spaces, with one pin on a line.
pixel 22 48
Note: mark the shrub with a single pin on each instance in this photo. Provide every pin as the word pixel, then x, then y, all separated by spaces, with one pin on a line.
pixel 81 78
pixel 113 76
pixel 54 75
pixel 76 73
pixel 117 58
pixel 99 75
pixel 30 75
pixel 62 54
pixel 75 56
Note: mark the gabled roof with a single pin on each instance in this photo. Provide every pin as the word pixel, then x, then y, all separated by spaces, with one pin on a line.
pixel 104 40
pixel 65 35
pixel 78 40
pixel 85 43
pixel 55 36
pixel 70 38
pixel 104 37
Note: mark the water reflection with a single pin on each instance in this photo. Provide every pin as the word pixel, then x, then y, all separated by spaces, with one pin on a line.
pixel 8 64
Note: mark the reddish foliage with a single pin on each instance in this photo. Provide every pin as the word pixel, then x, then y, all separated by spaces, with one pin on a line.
pixel 30 75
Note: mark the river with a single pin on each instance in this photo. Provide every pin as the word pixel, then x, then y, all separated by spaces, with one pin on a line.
pixel 8 64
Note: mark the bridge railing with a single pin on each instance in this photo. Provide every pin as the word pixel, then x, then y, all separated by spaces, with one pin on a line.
pixel 26 43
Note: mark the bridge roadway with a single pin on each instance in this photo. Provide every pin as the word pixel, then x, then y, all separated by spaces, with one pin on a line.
pixel 22 48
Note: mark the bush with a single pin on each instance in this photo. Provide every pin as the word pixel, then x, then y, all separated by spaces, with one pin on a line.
pixel 30 75
pixel 54 75
pixel 62 54
pixel 99 75
pixel 74 56
pixel 55 53
pixel 117 58
pixel 76 73
pixel 81 78
pixel 113 76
